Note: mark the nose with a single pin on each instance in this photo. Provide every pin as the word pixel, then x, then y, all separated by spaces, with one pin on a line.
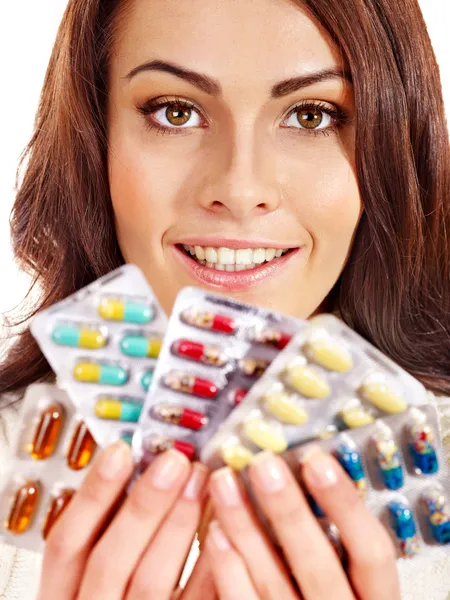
pixel 243 183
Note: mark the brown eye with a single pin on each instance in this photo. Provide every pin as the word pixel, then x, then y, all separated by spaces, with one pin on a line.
pixel 309 119
pixel 178 115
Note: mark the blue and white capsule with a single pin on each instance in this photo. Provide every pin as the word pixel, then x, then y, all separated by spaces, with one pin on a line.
pixel 350 460
pixel 402 522
pixel 422 447
pixel 438 514
pixel 388 458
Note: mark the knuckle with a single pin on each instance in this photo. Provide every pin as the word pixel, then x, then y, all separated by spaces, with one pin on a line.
pixel 288 514
pixel 60 547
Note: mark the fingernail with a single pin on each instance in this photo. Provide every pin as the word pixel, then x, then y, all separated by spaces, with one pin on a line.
pixel 319 468
pixel 167 469
pixel 217 537
pixel 113 460
pixel 224 488
pixel 268 473
pixel 196 483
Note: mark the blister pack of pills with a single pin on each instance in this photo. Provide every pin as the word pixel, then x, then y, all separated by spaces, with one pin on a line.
pixel 399 468
pixel 213 352
pixel 51 455
pixel 327 379
pixel 102 342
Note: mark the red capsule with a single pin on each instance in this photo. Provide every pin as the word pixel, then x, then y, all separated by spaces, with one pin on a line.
pixel 272 337
pixel 189 384
pixel 237 395
pixel 208 355
pixel 208 320
pixel 178 415
pixel 157 444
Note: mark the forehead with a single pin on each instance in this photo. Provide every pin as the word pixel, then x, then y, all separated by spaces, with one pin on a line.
pixel 240 42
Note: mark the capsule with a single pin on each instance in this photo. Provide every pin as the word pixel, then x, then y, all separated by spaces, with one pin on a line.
pixel 236 456
pixel 78 337
pixel 438 514
pixel 178 415
pixel 146 380
pixel 330 355
pixel 157 444
pixel 81 448
pixel 237 395
pixel 253 367
pixel 264 436
pixel 57 505
pixel 422 448
pixel 285 408
pixel 272 337
pixel 189 384
pixel 102 373
pixel 381 396
pixel 402 522
pixel 114 309
pixel 308 383
pixel 388 459
pixel 127 437
pixel 356 416
pixel 23 508
pixel 140 346
pixel 119 408
pixel 202 353
pixel 209 321
pixel 47 432
pixel 350 460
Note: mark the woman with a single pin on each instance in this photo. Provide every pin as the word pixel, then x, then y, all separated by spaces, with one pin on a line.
pixel 295 156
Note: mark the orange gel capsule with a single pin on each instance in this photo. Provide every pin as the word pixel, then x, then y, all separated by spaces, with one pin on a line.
pixel 47 432
pixel 23 508
pixel 57 505
pixel 81 449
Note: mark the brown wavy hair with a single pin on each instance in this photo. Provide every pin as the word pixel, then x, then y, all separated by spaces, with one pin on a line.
pixel 394 289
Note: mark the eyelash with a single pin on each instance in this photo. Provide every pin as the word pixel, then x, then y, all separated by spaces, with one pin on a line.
pixel 339 116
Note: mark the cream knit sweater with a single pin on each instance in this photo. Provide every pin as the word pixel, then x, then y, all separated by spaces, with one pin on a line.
pixel 19 570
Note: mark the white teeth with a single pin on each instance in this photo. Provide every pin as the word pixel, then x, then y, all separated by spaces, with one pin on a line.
pixel 211 255
pixel 219 267
pixel 241 267
pixel 226 256
pixel 199 253
pixel 270 254
pixel 278 253
pixel 244 257
pixel 210 265
pixel 259 256
pixel 192 250
pixel 230 268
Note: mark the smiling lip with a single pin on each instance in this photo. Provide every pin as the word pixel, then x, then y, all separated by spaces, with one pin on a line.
pixel 236 281
pixel 215 242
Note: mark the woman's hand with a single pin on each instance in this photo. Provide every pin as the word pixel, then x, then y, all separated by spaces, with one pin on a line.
pixel 140 551
pixel 244 562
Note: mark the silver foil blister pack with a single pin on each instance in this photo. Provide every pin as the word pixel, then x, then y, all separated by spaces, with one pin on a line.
pixel 103 342
pixel 327 379
pixel 213 352
pixel 51 455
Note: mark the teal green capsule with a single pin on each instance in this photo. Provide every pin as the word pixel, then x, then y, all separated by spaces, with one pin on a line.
pixel 146 380
pixel 118 409
pixel 113 309
pixel 96 372
pixel 141 346
pixel 78 337
pixel 127 437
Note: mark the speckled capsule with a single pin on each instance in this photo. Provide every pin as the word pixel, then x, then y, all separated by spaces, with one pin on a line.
pixel 402 522
pixel 438 514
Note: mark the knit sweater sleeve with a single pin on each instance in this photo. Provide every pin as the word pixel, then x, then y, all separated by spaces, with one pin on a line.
pixel 19 569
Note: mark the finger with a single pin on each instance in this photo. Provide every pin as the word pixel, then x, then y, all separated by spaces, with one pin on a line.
pixel 201 582
pixel 160 568
pixel 73 535
pixel 372 556
pixel 230 575
pixel 311 557
pixel 116 555
pixel 242 527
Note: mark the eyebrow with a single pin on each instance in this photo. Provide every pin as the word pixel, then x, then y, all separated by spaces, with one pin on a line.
pixel 212 87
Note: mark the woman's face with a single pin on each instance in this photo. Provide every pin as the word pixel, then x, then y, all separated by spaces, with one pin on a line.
pixel 212 191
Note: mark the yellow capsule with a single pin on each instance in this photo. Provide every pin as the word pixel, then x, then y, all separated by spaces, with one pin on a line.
pixel 285 408
pixel 92 340
pixel 381 396
pixel 47 432
pixel 81 449
pixel 57 505
pixel 236 456
pixel 154 347
pixel 23 508
pixel 307 382
pixel 330 355
pixel 266 437
pixel 357 416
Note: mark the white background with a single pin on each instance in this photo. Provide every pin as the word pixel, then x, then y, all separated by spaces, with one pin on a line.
pixel 27 33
